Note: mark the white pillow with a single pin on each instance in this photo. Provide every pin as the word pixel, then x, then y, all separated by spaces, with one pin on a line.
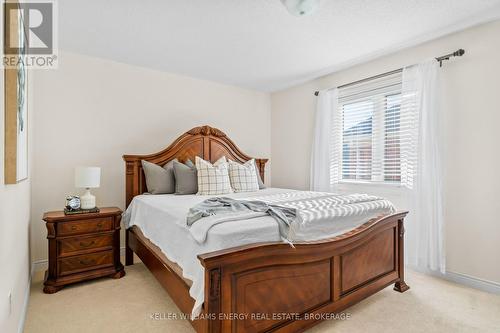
pixel 243 177
pixel 213 179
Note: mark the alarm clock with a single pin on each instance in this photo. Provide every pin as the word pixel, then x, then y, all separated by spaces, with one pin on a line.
pixel 73 202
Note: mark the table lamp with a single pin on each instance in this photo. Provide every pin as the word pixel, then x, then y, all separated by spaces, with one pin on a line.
pixel 87 177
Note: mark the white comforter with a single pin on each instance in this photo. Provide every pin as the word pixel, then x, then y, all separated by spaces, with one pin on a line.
pixel 319 215
pixel 162 219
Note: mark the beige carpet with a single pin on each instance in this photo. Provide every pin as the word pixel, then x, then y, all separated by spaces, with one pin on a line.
pixel 126 305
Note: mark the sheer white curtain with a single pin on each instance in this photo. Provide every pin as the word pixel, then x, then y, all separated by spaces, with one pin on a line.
pixel 421 167
pixel 323 155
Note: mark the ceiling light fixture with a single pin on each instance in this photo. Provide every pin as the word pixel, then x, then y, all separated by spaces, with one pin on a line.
pixel 300 7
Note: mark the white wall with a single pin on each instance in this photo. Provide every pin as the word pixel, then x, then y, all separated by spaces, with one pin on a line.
pixel 471 112
pixel 91 111
pixel 14 237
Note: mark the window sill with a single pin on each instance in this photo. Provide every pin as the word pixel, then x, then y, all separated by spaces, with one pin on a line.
pixel 367 183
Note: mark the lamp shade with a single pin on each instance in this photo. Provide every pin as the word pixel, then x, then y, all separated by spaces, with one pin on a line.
pixel 87 177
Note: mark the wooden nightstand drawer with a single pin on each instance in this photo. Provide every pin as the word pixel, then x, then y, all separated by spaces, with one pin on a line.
pixel 84 244
pixel 84 226
pixel 85 262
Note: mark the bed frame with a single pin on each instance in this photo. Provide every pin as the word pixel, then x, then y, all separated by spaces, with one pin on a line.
pixel 271 286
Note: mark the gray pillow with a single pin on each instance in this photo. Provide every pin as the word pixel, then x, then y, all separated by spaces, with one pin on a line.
pixel 159 180
pixel 259 179
pixel 186 178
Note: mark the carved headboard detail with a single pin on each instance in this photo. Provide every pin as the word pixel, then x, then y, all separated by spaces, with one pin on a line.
pixel 206 142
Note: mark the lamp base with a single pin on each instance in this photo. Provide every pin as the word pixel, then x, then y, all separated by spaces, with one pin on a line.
pixel 87 200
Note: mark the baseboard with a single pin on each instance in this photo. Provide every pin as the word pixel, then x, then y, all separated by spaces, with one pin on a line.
pixel 473 282
pixel 42 265
pixel 22 319
pixel 39 265
pixel 463 279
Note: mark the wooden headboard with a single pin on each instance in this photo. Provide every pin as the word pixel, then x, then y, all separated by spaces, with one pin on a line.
pixel 206 142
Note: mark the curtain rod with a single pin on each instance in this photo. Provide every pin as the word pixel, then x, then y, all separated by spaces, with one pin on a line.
pixel 457 53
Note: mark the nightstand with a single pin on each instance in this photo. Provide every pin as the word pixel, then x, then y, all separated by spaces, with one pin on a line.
pixel 82 247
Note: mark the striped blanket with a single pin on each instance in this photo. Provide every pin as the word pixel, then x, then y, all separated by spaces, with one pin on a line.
pixel 319 214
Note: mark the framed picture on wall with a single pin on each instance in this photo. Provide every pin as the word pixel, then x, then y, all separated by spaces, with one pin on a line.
pixel 15 99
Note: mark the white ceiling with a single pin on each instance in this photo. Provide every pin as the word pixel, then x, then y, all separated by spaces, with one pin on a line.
pixel 256 43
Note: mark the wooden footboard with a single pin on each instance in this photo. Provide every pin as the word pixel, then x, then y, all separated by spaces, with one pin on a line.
pixel 273 287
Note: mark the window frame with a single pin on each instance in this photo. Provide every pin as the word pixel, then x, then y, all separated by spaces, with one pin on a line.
pixel 379 101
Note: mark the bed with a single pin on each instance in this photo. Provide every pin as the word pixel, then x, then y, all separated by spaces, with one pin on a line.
pixel 267 284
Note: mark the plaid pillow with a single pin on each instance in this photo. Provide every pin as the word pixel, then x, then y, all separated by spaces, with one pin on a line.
pixel 213 179
pixel 243 176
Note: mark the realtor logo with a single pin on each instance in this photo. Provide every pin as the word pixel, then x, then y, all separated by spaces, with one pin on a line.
pixel 30 34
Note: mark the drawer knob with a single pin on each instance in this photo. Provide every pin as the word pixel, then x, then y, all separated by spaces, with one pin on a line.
pixel 86 244
pixel 87 262
pixel 73 227
pixel 99 225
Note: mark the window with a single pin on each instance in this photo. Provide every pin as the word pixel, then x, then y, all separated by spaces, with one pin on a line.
pixel 371 130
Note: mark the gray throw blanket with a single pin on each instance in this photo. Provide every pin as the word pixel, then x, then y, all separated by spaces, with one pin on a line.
pixel 225 209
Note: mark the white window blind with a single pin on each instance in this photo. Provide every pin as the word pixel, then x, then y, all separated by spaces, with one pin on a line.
pixel 371 132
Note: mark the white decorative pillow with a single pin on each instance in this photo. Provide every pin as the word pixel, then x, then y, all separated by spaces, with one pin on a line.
pixel 243 177
pixel 213 179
